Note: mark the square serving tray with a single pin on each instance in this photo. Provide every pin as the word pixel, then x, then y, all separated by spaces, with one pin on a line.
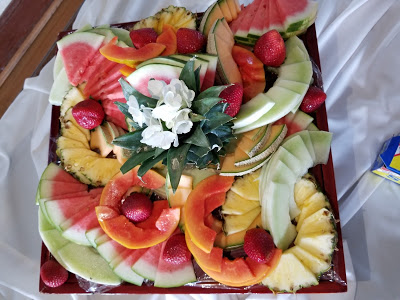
pixel 334 281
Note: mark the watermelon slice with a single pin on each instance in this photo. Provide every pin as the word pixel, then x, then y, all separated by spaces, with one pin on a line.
pixel 146 265
pixel 56 173
pixel 77 50
pixel 245 24
pixel 275 19
pixel 173 275
pixel 51 188
pixel 257 25
pixel 97 83
pixel 123 262
pixel 113 114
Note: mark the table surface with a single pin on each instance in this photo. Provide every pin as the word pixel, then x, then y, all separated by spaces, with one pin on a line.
pixel 358 44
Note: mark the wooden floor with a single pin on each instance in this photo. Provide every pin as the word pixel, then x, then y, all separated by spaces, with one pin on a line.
pixel 28 35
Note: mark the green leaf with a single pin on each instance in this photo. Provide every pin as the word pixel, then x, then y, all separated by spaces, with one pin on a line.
pixel 223 132
pixel 195 117
pixel 150 162
pixel 176 161
pixel 199 151
pixel 135 160
pixel 188 76
pixel 158 151
pixel 202 106
pixel 197 78
pixel 212 92
pixel 123 107
pixel 198 138
pixel 214 120
pixel 131 140
pixel 129 90
pixel 215 142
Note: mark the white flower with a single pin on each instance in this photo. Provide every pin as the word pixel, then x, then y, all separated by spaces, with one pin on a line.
pixel 155 136
pixel 134 110
pixel 155 88
pixel 182 122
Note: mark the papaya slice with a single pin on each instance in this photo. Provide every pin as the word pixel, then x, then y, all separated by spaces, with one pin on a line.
pixel 201 235
pixel 213 202
pixel 158 207
pixel 168 39
pixel 128 55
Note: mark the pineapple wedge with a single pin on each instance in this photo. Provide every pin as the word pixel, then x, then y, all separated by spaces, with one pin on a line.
pixel 290 275
pixel 320 222
pixel 303 189
pixel 310 206
pixel 247 186
pixel 237 205
pixel 320 245
pixel 235 224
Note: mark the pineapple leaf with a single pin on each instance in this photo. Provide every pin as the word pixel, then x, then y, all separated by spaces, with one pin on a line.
pixel 197 77
pixel 150 162
pixel 196 117
pixel 129 90
pixel 212 92
pixel 123 107
pixel 198 138
pixel 176 161
pixel 215 141
pixel 214 120
pixel 188 76
pixel 130 141
pixel 133 124
pixel 135 160
pixel 202 106
pixel 199 151
pixel 158 151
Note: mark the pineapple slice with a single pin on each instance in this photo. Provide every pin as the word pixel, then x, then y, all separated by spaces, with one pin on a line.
pixel 69 130
pixel 303 189
pixel 320 245
pixel 73 97
pixel 315 264
pixel 247 186
pixel 310 206
pixel 179 17
pixel 235 224
pixel 237 205
pixel 66 143
pixel 320 222
pixel 290 275
pixel 69 117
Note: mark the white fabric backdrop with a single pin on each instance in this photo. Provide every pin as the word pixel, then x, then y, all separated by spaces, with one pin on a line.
pixel 358 43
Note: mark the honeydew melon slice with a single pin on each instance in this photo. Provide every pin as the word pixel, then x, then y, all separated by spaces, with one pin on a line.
pixel 310 206
pixel 301 120
pixel 253 110
pixel 285 100
pixel 123 35
pixel 275 214
pixel 60 88
pixel 296 56
pixel 106 32
pixel 237 205
pixel 296 146
pixel 313 263
pixel 163 60
pixel 212 14
pixel 88 264
pixel 321 141
pixel 301 72
pixel 305 136
pixel 58 65
pixel 51 237
pixel 295 86
pixel 312 127
pixel 237 223
pixel 290 275
pixel 320 245
pixel 294 42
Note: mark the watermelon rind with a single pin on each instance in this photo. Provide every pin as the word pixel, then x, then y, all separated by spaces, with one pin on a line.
pixel 298 23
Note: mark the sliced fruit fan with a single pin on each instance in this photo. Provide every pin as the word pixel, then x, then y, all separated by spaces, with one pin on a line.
pixel 184 154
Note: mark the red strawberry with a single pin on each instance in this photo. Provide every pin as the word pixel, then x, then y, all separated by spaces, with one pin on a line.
pixel 189 40
pixel 143 36
pixel 270 49
pixel 259 245
pixel 137 207
pixel 53 274
pixel 176 250
pixel 313 99
pixel 88 113
pixel 233 95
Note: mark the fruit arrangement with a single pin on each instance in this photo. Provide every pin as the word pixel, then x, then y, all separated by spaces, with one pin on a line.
pixel 180 157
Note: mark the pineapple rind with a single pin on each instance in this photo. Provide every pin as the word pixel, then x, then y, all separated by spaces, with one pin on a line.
pixel 290 275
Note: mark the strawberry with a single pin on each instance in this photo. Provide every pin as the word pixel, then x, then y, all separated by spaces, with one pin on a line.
pixel 137 207
pixel 259 245
pixel 143 36
pixel 233 95
pixel 189 40
pixel 53 274
pixel 313 99
pixel 270 49
pixel 176 250
pixel 88 113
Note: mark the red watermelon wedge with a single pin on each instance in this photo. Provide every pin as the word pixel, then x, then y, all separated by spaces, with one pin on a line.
pixel 77 51
pixel 113 114
pixel 146 265
pixel 245 24
pixel 275 19
pixel 257 25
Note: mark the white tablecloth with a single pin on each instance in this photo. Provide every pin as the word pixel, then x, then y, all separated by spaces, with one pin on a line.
pixel 358 44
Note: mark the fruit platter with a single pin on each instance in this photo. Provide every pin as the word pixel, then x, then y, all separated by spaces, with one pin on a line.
pixel 190 153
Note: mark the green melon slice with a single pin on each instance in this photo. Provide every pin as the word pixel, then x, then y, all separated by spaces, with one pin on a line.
pixel 77 50
pixel 312 127
pixel 163 60
pixel 123 35
pixel 58 65
pixel 301 72
pixel 321 141
pixel 296 146
pixel 60 88
pixel 304 134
